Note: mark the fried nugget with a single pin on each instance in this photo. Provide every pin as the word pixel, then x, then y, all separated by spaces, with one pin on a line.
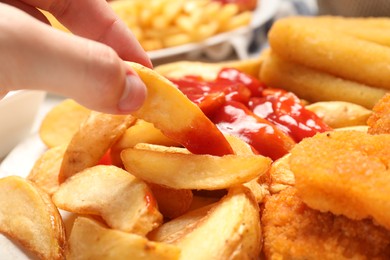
pixel 345 172
pixel 379 121
pixel 292 230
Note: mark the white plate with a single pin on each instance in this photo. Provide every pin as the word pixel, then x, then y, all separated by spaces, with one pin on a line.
pixel 18 110
pixel 238 39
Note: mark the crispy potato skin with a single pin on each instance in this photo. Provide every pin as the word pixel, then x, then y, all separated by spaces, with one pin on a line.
pixel 345 172
pixel 379 121
pixel 292 230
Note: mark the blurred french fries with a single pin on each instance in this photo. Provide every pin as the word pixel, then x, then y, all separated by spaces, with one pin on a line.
pixel 160 24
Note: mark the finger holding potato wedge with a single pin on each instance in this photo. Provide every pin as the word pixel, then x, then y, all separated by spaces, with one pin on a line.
pixel 193 171
pixel 90 239
pixel 28 216
pixel 123 201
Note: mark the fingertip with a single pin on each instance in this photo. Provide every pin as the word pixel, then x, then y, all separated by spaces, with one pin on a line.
pixel 133 95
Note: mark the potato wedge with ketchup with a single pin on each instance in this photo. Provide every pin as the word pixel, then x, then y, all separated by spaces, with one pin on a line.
pixel 177 117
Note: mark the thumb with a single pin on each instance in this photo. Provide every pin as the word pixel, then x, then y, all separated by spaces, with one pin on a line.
pixel 36 56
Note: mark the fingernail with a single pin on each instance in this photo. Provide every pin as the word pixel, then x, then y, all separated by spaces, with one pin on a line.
pixel 133 95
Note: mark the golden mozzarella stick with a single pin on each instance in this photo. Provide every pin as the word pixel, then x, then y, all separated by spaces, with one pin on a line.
pixel 314 85
pixel 332 52
pixel 373 29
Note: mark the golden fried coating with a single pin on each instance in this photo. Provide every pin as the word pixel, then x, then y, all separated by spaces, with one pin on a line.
pixel 379 121
pixel 345 172
pixel 292 230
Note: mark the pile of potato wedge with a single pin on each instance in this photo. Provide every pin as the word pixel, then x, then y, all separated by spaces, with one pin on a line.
pixel 165 183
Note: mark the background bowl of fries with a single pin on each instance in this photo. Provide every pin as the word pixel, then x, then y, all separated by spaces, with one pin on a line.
pixel 17 114
pixel 167 28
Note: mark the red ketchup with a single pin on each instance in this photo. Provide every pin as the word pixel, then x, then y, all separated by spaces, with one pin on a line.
pixel 270 120
pixel 236 119
pixel 286 111
pixel 106 159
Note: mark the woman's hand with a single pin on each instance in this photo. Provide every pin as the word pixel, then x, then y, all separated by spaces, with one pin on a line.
pixel 34 55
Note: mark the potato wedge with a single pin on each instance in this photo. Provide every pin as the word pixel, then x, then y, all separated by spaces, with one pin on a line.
pixel 166 104
pixel 229 230
pixel 280 175
pixel 337 114
pixel 47 168
pixel 176 228
pixel 28 216
pixel 123 201
pixel 95 136
pixel 192 171
pixel 171 202
pixel 242 148
pixel 140 132
pixel 208 71
pixel 92 240
pixel 62 122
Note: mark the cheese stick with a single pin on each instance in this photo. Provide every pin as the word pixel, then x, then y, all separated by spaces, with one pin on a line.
pixel 314 85
pixel 333 52
pixel 375 30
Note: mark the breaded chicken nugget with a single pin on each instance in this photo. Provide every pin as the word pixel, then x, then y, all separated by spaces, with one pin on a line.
pixel 292 230
pixel 345 172
pixel 379 121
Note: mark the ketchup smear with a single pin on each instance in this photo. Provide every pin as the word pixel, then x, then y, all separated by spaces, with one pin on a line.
pixel 270 120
